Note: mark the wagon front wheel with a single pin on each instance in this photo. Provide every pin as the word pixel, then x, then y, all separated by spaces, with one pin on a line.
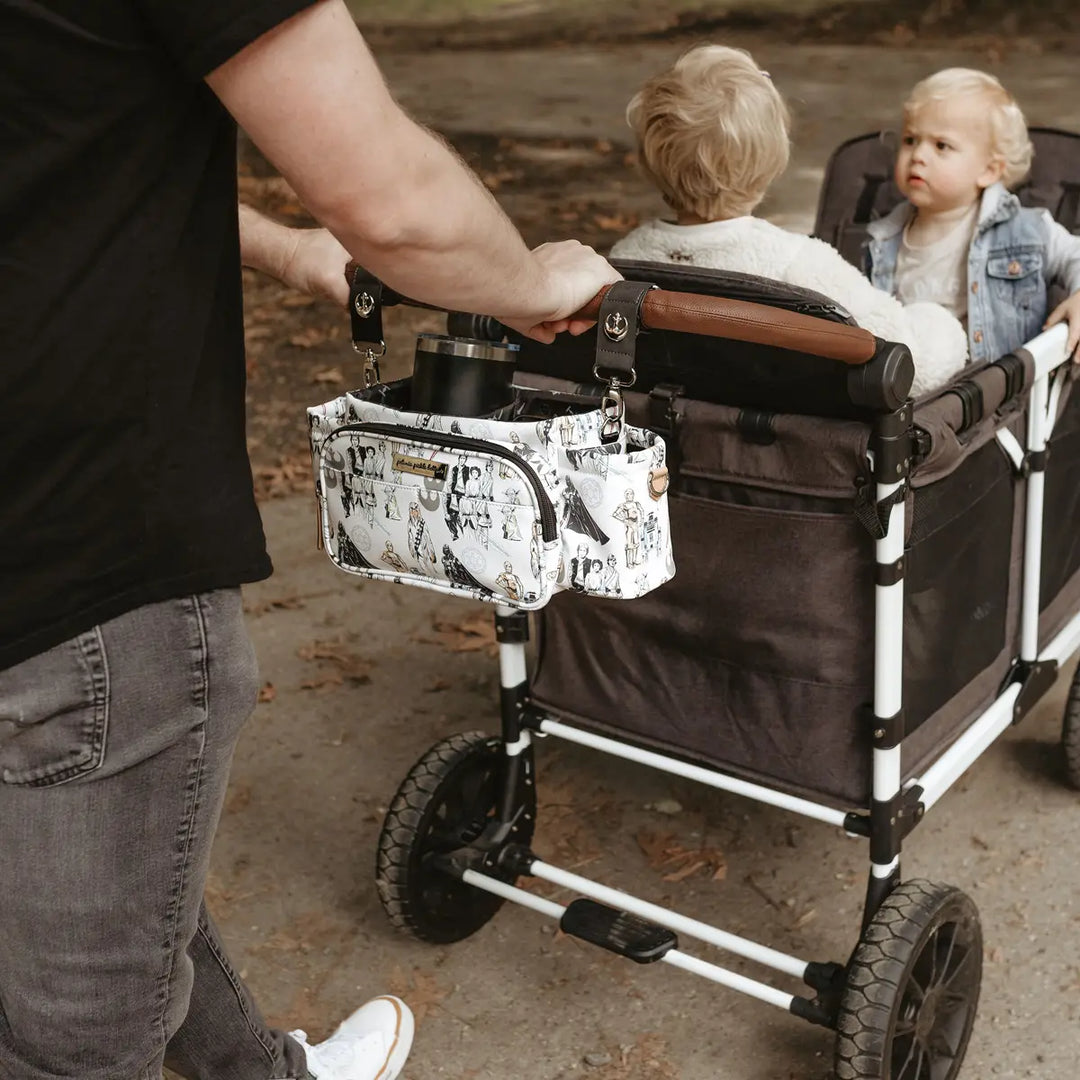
pixel 445 804
pixel 912 988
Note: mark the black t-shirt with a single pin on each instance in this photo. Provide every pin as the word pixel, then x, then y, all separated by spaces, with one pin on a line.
pixel 124 476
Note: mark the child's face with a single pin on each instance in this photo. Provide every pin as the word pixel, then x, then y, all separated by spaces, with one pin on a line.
pixel 946 158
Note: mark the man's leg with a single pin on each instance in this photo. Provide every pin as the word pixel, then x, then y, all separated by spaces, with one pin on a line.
pixel 223 1036
pixel 114 756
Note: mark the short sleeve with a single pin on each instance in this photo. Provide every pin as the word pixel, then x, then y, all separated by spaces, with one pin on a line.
pixel 202 34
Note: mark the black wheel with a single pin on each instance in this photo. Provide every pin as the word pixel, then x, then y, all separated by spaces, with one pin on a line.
pixel 912 988
pixel 1070 732
pixel 445 803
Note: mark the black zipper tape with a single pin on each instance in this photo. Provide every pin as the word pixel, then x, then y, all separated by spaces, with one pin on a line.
pixel 548 520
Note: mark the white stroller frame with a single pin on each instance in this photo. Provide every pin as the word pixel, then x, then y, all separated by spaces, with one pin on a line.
pixel 489 784
pixel 916 797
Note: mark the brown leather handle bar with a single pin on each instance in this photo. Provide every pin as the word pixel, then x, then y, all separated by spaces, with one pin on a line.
pixel 740 320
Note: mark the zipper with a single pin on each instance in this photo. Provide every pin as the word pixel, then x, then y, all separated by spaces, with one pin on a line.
pixel 548 522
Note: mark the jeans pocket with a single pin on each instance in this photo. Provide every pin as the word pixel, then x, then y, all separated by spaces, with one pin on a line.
pixel 54 714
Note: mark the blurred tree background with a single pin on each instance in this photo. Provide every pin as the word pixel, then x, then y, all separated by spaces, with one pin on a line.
pixel 1054 24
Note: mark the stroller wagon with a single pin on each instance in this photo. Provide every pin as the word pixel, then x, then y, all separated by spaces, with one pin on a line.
pixel 868 594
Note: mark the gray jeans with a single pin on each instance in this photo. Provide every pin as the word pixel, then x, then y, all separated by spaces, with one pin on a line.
pixel 114 756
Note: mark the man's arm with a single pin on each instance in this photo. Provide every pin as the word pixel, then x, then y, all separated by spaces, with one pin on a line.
pixel 310 260
pixel 311 97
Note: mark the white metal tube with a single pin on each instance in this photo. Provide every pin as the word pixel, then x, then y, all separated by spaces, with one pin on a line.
pixel 1065 644
pixel 954 762
pixel 512 671
pixel 887 773
pixel 889 615
pixel 676 958
pixel 888 656
pixel 1011 445
pixel 729 978
pixel 884 870
pixel 520 744
pixel 694 772
pixel 1048 349
pixel 681 924
pixel 1033 524
pixel 512 892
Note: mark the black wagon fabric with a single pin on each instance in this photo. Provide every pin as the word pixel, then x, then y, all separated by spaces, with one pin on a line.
pixel 1061 507
pixel 758 656
pixel 125 476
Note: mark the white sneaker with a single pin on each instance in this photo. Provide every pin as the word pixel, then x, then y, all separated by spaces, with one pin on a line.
pixel 372 1044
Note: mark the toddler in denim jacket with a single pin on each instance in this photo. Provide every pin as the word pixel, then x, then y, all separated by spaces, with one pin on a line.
pixel 712 135
pixel 962 238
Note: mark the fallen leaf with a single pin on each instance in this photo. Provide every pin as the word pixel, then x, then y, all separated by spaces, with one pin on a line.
pixel 238 797
pixel 324 682
pixel 348 665
pixel 310 335
pixel 617 222
pixel 267 693
pixel 475 633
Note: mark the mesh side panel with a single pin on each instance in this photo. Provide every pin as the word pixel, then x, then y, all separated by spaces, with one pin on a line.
pixel 1061 514
pixel 957 582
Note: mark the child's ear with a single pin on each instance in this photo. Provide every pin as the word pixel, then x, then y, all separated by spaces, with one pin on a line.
pixel 993 172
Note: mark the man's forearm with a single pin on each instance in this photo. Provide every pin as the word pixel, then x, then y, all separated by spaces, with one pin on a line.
pixel 264 244
pixel 310 96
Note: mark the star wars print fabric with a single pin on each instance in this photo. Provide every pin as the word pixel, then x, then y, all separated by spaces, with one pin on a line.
pixel 506 512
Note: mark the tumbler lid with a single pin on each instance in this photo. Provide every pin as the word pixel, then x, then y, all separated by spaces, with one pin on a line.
pixel 445 345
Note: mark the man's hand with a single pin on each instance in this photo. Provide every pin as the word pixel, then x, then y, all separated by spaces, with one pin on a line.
pixel 572 274
pixel 311 260
pixel 1068 311
pixel 317 266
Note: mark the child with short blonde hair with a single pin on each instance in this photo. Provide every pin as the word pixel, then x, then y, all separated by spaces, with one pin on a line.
pixel 712 135
pixel 961 238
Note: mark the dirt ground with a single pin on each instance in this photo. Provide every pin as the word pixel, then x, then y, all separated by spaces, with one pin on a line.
pixel 360 679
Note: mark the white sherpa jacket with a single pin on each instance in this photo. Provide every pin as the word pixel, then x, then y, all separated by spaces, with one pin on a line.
pixel 749 245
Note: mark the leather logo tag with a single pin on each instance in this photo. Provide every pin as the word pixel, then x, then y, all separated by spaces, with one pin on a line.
pixel 436 470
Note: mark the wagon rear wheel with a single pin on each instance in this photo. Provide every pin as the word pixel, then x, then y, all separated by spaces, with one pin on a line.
pixel 912 988
pixel 1070 732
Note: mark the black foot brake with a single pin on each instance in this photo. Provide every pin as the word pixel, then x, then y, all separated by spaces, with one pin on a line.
pixel 617 931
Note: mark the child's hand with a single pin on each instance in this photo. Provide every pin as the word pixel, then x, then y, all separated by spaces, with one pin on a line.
pixel 1068 311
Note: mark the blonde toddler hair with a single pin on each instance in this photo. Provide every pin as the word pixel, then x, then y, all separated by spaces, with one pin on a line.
pixel 1008 129
pixel 712 132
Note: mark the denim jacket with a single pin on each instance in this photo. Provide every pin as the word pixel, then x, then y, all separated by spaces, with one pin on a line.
pixel 1015 254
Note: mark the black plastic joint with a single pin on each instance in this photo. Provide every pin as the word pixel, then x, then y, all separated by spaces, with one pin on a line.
pixel 888 730
pixel 825 977
pixel 892 821
pixel 512 709
pixel 1035 679
pixel 512 629
pixel 1035 461
pixel 813 1011
pixel 857 824
pixel 893 445
pixel 517 860
pixel 889 573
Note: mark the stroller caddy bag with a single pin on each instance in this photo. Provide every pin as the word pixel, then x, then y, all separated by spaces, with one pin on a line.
pixel 502 510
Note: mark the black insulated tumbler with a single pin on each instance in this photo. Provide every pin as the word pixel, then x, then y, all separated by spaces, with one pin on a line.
pixel 456 376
